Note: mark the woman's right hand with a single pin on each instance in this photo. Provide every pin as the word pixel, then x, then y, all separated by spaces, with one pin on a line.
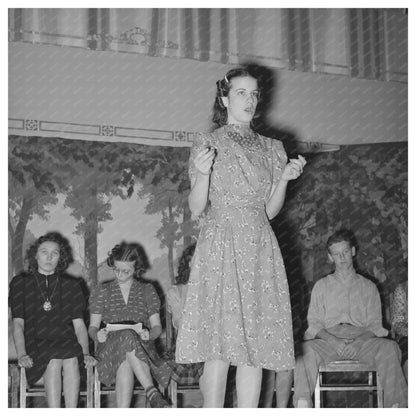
pixel 25 361
pixel 102 335
pixel 204 160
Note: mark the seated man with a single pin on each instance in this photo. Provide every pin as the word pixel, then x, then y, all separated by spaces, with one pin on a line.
pixel 344 323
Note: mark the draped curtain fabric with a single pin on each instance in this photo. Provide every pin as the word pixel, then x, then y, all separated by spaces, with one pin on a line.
pixel 366 43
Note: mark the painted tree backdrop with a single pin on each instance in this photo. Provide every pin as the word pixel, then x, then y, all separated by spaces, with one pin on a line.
pixel 362 187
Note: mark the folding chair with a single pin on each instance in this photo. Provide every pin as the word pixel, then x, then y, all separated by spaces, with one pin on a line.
pixel 38 389
pixel 349 366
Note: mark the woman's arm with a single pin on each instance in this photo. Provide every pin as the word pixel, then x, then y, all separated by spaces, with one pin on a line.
pixel 198 196
pixel 93 330
pixel 155 326
pixel 81 334
pixel 277 197
pixel 174 306
pixel 82 337
pixel 19 341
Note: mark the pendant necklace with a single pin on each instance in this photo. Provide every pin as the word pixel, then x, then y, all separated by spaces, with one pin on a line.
pixel 47 305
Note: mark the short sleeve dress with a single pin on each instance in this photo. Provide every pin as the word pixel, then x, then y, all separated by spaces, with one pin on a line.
pixel 237 307
pixel 48 334
pixel 143 302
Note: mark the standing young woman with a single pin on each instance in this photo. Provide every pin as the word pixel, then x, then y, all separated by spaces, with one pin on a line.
pixel 48 327
pixel 237 310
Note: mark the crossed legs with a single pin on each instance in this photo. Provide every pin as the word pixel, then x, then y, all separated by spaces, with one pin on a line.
pixel 129 368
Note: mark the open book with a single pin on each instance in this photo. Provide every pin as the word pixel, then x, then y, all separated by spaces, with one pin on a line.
pixel 138 328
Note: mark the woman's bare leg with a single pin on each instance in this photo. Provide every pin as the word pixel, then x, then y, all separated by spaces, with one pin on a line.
pixel 71 382
pixel 248 383
pixel 284 380
pixel 53 383
pixel 213 383
pixel 140 369
pixel 124 385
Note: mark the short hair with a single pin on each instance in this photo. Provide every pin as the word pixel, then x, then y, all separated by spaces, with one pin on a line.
pixel 219 111
pixel 65 252
pixel 340 235
pixel 130 252
pixel 184 265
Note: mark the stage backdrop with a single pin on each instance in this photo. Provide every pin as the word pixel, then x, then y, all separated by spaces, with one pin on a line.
pixel 100 193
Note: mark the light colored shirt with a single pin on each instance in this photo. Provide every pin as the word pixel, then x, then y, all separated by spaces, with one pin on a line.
pixel 335 302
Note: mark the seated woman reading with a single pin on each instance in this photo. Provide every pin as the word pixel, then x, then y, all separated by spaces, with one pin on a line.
pixel 126 353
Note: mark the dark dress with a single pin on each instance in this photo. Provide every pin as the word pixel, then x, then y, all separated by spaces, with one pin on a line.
pixel 51 334
pixel 143 302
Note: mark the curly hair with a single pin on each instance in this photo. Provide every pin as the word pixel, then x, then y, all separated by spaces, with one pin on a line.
pixel 65 252
pixel 341 235
pixel 130 252
pixel 184 263
pixel 219 111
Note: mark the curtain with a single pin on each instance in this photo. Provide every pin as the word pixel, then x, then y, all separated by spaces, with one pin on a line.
pixel 366 43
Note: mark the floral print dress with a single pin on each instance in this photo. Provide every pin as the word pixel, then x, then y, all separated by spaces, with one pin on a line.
pixel 237 307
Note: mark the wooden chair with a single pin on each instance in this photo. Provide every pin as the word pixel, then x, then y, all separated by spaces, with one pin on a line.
pixel 349 366
pixel 38 389
pixel 13 384
pixel 179 386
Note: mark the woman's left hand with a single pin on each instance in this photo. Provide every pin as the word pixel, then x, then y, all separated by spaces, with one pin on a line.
pixel 89 361
pixel 294 168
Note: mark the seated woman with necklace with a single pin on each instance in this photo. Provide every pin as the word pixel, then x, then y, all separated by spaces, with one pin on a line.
pixel 126 353
pixel 48 328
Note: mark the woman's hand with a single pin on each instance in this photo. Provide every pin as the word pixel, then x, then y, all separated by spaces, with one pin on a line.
pixel 89 361
pixel 204 160
pixel 25 361
pixel 102 335
pixel 145 334
pixel 294 168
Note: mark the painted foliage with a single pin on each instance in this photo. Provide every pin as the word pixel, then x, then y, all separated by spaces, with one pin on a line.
pixel 99 193
pixel 92 187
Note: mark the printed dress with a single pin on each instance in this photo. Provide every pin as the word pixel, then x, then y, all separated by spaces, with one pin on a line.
pixel 143 302
pixel 237 307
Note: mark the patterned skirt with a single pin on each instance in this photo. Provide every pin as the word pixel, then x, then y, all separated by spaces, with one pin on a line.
pixel 112 354
pixel 186 373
